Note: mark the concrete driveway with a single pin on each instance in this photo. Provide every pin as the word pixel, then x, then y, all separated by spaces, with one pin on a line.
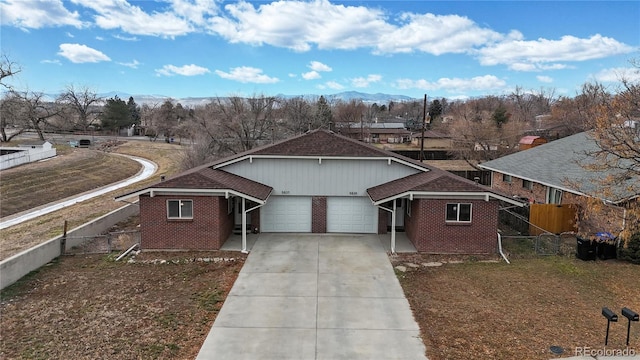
pixel 315 297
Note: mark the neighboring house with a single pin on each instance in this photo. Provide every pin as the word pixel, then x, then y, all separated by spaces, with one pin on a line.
pixel 530 141
pixel 555 173
pixel 25 153
pixel 386 132
pixel 319 182
pixel 432 140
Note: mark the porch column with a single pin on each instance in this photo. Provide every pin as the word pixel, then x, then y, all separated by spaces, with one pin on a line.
pixel 393 227
pixel 244 226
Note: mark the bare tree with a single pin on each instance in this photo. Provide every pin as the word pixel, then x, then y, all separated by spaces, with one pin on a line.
pixel 8 68
pixel 24 111
pixel 82 102
pixel 297 114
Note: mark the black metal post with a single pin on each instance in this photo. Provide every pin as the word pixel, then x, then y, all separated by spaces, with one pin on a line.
pixel 631 316
pixel 611 316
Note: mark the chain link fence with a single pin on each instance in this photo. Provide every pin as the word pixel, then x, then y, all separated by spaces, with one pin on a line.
pixel 546 244
pixel 102 244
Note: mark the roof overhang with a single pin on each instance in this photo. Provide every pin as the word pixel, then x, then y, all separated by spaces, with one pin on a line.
pixel 320 158
pixel 479 195
pixel 158 191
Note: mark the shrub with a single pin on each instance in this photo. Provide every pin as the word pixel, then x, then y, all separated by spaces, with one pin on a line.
pixel 631 250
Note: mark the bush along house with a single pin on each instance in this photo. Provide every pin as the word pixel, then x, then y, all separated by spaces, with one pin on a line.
pixel 319 182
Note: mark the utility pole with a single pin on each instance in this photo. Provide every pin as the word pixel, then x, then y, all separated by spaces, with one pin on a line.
pixel 424 121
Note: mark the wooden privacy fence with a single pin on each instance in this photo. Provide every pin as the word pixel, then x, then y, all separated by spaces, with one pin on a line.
pixel 552 218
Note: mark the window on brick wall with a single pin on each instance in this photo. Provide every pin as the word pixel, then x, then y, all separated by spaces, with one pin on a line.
pixel 506 178
pixel 458 212
pixel 180 209
pixel 527 184
pixel 554 196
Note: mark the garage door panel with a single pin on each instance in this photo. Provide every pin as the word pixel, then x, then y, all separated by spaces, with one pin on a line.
pixel 286 214
pixel 351 215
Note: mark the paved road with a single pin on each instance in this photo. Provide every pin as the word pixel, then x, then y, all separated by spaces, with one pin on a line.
pixel 148 169
pixel 315 297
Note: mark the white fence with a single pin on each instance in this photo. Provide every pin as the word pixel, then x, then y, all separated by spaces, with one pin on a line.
pixel 24 156
pixel 19 265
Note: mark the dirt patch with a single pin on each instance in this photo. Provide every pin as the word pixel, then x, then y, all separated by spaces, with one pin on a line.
pixel 161 306
pixel 477 308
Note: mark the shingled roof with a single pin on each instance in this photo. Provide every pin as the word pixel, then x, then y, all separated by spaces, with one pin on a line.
pixel 434 181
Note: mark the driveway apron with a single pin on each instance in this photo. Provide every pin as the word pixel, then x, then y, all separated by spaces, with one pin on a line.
pixel 307 296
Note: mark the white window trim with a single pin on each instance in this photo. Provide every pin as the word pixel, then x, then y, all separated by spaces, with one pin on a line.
pixel 458 221
pixel 557 193
pixel 180 217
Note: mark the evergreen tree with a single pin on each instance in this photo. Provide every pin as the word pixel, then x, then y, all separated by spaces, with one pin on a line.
pixel 115 114
pixel 134 109
pixel 323 113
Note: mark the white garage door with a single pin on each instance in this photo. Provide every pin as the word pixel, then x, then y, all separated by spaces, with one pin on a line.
pixel 286 214
pixel 351 215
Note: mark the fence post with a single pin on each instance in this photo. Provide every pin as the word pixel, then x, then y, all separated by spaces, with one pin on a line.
pixel 63 241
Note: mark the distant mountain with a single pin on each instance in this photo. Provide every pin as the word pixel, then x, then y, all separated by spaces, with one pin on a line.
pixel 378 98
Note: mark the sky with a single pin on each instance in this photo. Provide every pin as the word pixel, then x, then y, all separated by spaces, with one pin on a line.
pixel 208 48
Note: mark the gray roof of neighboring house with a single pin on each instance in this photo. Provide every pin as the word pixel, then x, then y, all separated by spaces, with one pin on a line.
pixel 560 164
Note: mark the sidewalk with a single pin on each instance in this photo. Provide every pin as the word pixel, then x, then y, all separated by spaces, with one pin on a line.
pixel 306 296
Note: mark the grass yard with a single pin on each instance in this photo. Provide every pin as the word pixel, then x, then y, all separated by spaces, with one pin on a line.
pixel 499 311
pixel 91 307
pixel 33 232
pixel 29 186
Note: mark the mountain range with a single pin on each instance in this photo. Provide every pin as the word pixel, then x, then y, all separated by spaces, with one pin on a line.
pixel 378 98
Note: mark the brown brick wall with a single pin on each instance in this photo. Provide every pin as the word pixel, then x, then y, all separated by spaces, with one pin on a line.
pixel 255 219
pixel 383 219
pixel 514 188
pixel 429 232
pixel 208 230
pixel 319 214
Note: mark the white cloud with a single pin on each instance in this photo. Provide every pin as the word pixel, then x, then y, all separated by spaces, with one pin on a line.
pixel 318 66
pixel 435 34
pixel 544 79
pixel 125 38
pixel 333 85
pixel 618 74
pixel 134 64
pixel 478 83
pixel 37 14
pixel 69 35
pixel 185 70
pixel 247 74
pixel 362 82
pixel 119 14
pixel 544 54
pixel 77 53
pixel 55 62
pixel 311 75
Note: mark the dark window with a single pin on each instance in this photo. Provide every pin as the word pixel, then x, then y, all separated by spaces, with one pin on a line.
pixel 506 178
pixel 459 212
pixel 527 184
pixel 180 209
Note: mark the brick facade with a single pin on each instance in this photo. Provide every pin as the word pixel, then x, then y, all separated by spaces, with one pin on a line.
pixel 208 230
pixel 319 214
pixel 429 232
pixel 383 219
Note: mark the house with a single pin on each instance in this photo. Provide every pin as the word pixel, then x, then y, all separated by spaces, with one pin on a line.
pixel 555 173
pixel 530 141
pixel 319 182
pixel 384 132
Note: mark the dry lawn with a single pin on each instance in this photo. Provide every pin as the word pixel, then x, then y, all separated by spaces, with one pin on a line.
pixel 29 186
pixel 91 307
pixel 477 310
pixel 30 233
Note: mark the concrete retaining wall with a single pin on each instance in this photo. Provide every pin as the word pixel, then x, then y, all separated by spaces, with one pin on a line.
pixel 19 265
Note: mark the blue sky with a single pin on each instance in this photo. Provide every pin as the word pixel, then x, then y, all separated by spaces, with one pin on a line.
pixel 198 48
